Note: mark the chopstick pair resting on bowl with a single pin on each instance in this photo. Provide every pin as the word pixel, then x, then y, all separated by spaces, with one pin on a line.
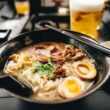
pixel 84 40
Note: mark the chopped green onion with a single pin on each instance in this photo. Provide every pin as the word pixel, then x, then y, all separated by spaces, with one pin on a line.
pixel 44 68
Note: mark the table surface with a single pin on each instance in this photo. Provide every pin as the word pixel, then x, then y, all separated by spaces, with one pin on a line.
pixel 100 100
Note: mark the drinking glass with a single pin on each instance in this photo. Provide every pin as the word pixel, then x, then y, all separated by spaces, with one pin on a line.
pixel 22 6
pixel 86 16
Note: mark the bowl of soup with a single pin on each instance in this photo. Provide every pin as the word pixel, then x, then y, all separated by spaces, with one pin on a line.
pixel 59 69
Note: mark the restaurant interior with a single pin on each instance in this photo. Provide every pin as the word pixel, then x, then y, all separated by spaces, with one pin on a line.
pixel 17 20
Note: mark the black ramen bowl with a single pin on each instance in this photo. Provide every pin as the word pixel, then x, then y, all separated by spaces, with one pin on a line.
pixel 26 39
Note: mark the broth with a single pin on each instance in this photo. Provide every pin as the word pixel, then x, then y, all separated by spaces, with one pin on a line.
pixel 56 71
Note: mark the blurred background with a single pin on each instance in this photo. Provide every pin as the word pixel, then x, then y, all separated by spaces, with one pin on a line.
pixel 24 15
pixel 18 16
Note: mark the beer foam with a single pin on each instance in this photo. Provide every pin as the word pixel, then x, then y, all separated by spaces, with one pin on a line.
pixel 87 5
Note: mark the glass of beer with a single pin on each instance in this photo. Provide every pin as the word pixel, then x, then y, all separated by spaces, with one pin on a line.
pixel 86 16
pixel 22 7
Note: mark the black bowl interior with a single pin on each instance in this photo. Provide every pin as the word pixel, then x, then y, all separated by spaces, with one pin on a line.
pixel 29 38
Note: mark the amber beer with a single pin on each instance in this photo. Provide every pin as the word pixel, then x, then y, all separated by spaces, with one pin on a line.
pixel 85 16
pixel 22 7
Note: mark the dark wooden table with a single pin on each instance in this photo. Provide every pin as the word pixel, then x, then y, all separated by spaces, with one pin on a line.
pixel 100 100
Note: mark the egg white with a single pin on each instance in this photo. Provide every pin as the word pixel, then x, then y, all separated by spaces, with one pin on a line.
pixel 92 70
pixel 64 92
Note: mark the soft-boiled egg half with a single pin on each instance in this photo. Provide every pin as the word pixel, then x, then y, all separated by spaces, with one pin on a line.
pixel 71 87
pixel 85 70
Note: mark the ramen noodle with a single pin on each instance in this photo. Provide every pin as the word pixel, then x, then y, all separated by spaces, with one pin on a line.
pixel 56 71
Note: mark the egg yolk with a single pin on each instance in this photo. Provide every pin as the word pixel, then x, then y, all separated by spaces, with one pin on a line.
pixel 73 86
pixel 83 69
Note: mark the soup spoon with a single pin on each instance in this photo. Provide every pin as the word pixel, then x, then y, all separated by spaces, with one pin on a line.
pixel 18 86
